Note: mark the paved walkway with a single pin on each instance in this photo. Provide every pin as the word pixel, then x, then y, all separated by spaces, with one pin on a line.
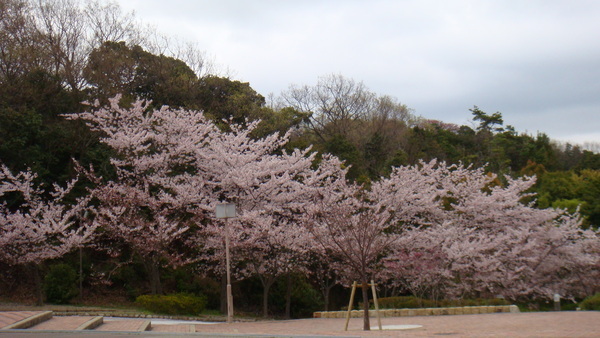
pixel 131 325
pixel 9 318
pixel 63 323
pixel 537 324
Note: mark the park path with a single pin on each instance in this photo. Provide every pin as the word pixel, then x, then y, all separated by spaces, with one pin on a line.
pixel 532 324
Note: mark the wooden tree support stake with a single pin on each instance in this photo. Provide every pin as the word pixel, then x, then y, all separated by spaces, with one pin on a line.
pixel 376 304
pixel 351 303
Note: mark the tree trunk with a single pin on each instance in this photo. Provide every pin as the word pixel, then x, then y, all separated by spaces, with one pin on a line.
pixel 365 292
pixel 156 284
pixel 326 293
pixel 266 288
pixel 288 297
pixel 37 281
pixel 153 268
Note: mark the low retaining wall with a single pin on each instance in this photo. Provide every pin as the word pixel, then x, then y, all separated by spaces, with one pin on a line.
pixel 436 311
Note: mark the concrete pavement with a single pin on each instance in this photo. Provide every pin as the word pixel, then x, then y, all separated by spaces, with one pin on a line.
pixel 533 324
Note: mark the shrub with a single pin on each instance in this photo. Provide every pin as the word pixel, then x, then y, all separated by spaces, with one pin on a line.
pixel 474 302
pixel 175 304
pixel 60 284
pixel 410 302
pixel 184 280
pixel 404 302
pixel 591 303
pixel 304 298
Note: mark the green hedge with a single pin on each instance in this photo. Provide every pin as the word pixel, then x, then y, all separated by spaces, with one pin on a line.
pixel 407 302
pixel 175 304
pixel 591 303
pixel 410 302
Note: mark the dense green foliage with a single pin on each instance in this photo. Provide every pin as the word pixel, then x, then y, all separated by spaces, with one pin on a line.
pixel 591 303
pixel 60 284
pixel 304 299
pixel 174 304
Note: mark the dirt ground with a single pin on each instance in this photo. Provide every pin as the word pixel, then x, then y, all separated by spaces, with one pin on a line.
pixel 535 324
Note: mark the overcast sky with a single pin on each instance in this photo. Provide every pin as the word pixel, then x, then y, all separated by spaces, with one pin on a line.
pixel 535 61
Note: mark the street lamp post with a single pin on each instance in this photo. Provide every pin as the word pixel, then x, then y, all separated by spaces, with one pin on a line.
pixel 226 211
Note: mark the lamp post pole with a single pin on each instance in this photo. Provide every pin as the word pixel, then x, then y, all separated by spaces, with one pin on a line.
pixel 228 267
pixel 227 211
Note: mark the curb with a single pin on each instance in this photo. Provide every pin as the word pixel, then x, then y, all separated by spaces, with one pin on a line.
pixel 91 324
pixel 146 326
pixel 461 310
pixel 130 314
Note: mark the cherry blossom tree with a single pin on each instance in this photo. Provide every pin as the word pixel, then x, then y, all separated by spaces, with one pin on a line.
pixel 274 243
pixel 261 246
pixel 322 272
pixel 421 198
pixel 480 237
pixel 144 221
pixel 159 191
pixel 38 225
pixel 175 162
pixel 270 191
pixel 454 231
pixel 272 249
pixel 354 230
pixel 532 253
pixel 447 230
pixel 418 264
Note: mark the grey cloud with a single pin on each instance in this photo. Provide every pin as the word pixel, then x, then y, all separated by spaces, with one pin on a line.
pixel 536 61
